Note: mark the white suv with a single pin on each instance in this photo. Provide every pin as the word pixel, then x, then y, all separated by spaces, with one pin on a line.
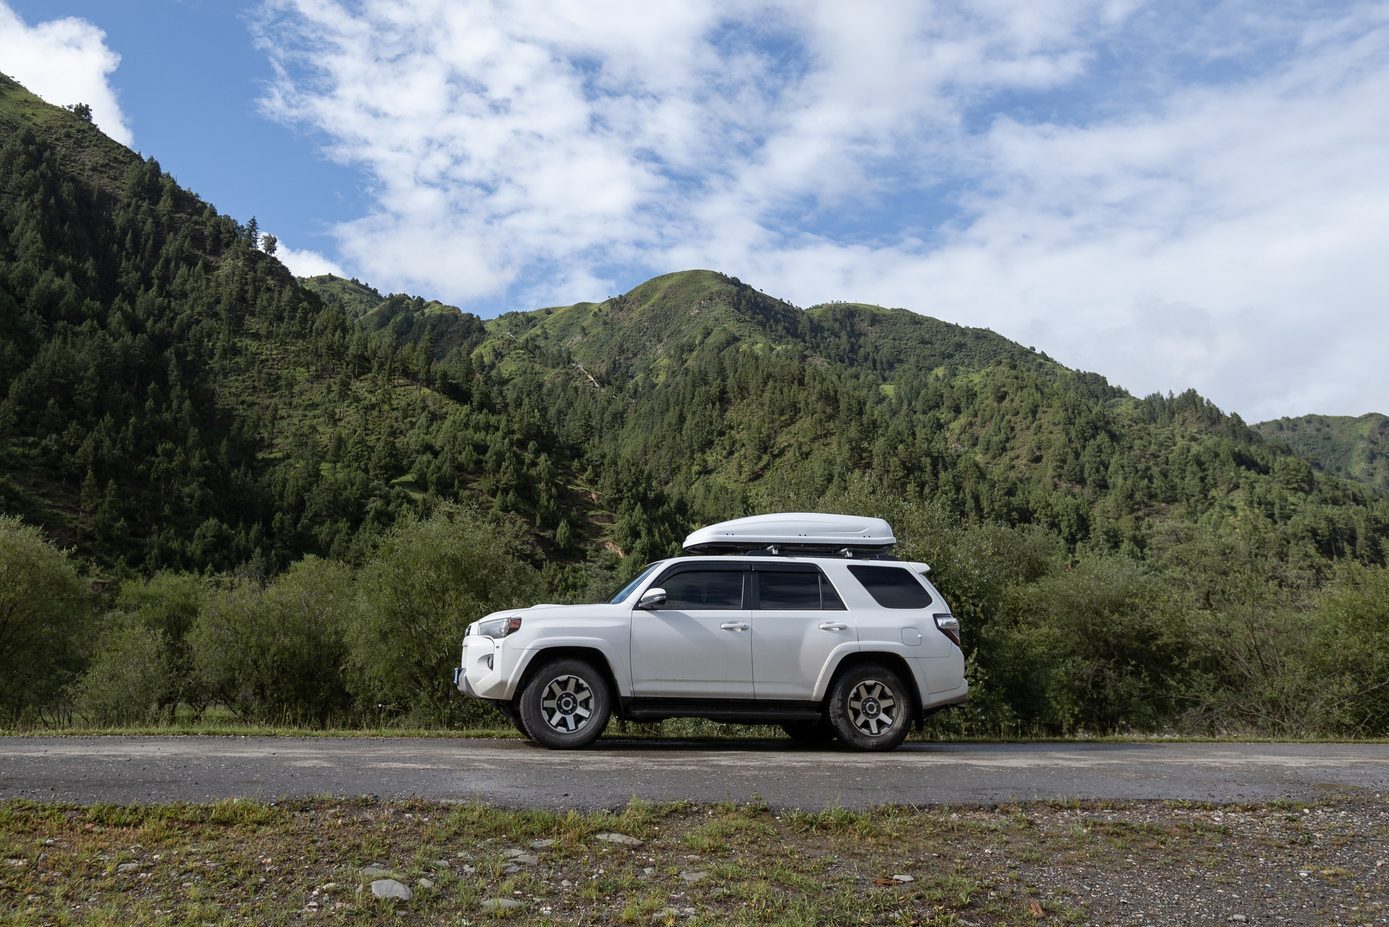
pixel 802 620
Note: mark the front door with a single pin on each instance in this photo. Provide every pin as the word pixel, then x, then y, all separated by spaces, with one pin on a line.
pixel 699 645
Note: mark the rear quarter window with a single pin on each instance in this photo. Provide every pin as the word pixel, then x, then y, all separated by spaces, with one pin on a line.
pixel 892 587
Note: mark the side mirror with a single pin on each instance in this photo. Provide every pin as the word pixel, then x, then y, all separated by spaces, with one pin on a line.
pixel 652 599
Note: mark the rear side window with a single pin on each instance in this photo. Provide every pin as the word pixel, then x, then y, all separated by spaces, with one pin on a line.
pixel 694 590
pixel 804 590
pixel 892 587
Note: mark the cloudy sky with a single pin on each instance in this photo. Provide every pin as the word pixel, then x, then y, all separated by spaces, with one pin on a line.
pixel 1173 194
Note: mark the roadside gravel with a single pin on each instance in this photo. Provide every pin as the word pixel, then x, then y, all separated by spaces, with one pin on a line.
pixel 1158 864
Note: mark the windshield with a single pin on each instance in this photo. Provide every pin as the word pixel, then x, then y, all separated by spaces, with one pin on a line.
pixel 626 590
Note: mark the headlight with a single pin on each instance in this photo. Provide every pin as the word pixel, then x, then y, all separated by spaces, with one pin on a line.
pixel 498 627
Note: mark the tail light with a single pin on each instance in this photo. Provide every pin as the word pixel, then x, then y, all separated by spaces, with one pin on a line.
pixel 949 625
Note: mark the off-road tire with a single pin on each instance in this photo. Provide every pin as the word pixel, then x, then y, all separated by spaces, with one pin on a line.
pixel 565 705
pixel 870 708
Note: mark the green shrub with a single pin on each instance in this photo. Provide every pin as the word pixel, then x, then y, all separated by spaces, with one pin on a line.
pixel 127 678
pixel 168 604
pixel 277 653
pixel 1100 646
pixel 428 580
pixel 1352 651
pixel 45 609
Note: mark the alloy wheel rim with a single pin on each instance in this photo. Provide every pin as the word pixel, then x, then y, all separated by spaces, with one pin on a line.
pixel 567 703
pixel 872 708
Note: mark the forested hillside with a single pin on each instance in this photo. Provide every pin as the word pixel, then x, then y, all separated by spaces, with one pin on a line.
pixel 296 493
pixel 1355 448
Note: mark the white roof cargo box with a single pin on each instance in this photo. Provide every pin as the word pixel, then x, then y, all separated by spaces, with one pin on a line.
pixel 794 530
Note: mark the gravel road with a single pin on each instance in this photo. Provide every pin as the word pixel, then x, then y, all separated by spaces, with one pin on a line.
pixel 517 774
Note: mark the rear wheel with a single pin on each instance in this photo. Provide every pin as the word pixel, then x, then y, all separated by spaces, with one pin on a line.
pixel 565 705
pixel 809 733
pixel 870 708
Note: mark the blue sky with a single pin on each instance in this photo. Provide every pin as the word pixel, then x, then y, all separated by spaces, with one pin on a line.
pixel 1171 193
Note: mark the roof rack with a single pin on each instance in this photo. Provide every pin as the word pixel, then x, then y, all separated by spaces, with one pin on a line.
pixel 807 550
pixel 805 533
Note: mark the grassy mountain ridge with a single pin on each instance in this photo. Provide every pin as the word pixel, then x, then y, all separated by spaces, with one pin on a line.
pixel 730 397
pixel 80 147
pixel 1354 448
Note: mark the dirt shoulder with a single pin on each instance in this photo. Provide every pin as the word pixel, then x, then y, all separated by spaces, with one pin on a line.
pixel 312 861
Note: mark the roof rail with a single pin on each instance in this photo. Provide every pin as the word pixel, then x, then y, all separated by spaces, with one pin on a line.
pixel 805 550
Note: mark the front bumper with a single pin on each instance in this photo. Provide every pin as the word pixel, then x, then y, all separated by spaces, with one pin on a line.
pixel 460 682
pixel 484 671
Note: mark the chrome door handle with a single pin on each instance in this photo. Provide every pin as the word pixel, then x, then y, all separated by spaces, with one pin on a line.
pixel 833 626
pixel 734 626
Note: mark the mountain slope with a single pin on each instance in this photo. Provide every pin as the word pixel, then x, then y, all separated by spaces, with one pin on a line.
pixel 172 397
pixel 735 401
pixel 79 147
pixel 1355 448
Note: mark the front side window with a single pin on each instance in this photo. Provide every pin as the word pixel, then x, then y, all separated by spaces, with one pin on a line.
pixel 695 590
pixel 892 587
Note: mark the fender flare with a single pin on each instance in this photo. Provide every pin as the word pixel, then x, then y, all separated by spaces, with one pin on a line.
pixel 604 648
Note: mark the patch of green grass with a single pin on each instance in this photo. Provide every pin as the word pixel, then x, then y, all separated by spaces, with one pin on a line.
pixel 300 861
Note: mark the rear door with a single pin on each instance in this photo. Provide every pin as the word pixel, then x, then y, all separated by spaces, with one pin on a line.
pixel 699 645
pixel 798 621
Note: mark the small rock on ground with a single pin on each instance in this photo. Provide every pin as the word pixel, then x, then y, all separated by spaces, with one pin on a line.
pixel 390 888
pixel 903 878
pixel 500 904
pixel 694 875
pixel 669 914
pixel 622 839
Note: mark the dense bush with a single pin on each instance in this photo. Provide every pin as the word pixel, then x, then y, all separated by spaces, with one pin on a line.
pixel 427 582
pixel 129 676
pixel 1098 646
pixel 1352 652
pixel 277 653
pixel 167 604
pixel 45 611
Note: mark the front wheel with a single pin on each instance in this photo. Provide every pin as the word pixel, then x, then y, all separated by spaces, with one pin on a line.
pixel 870 708
pixel 565 705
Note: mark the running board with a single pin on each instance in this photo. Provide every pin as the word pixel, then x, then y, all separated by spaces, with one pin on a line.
pixel 738 711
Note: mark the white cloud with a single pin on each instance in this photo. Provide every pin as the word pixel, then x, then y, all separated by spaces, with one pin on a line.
pixel 65 61
pixel 1170 194
pixel 306 263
